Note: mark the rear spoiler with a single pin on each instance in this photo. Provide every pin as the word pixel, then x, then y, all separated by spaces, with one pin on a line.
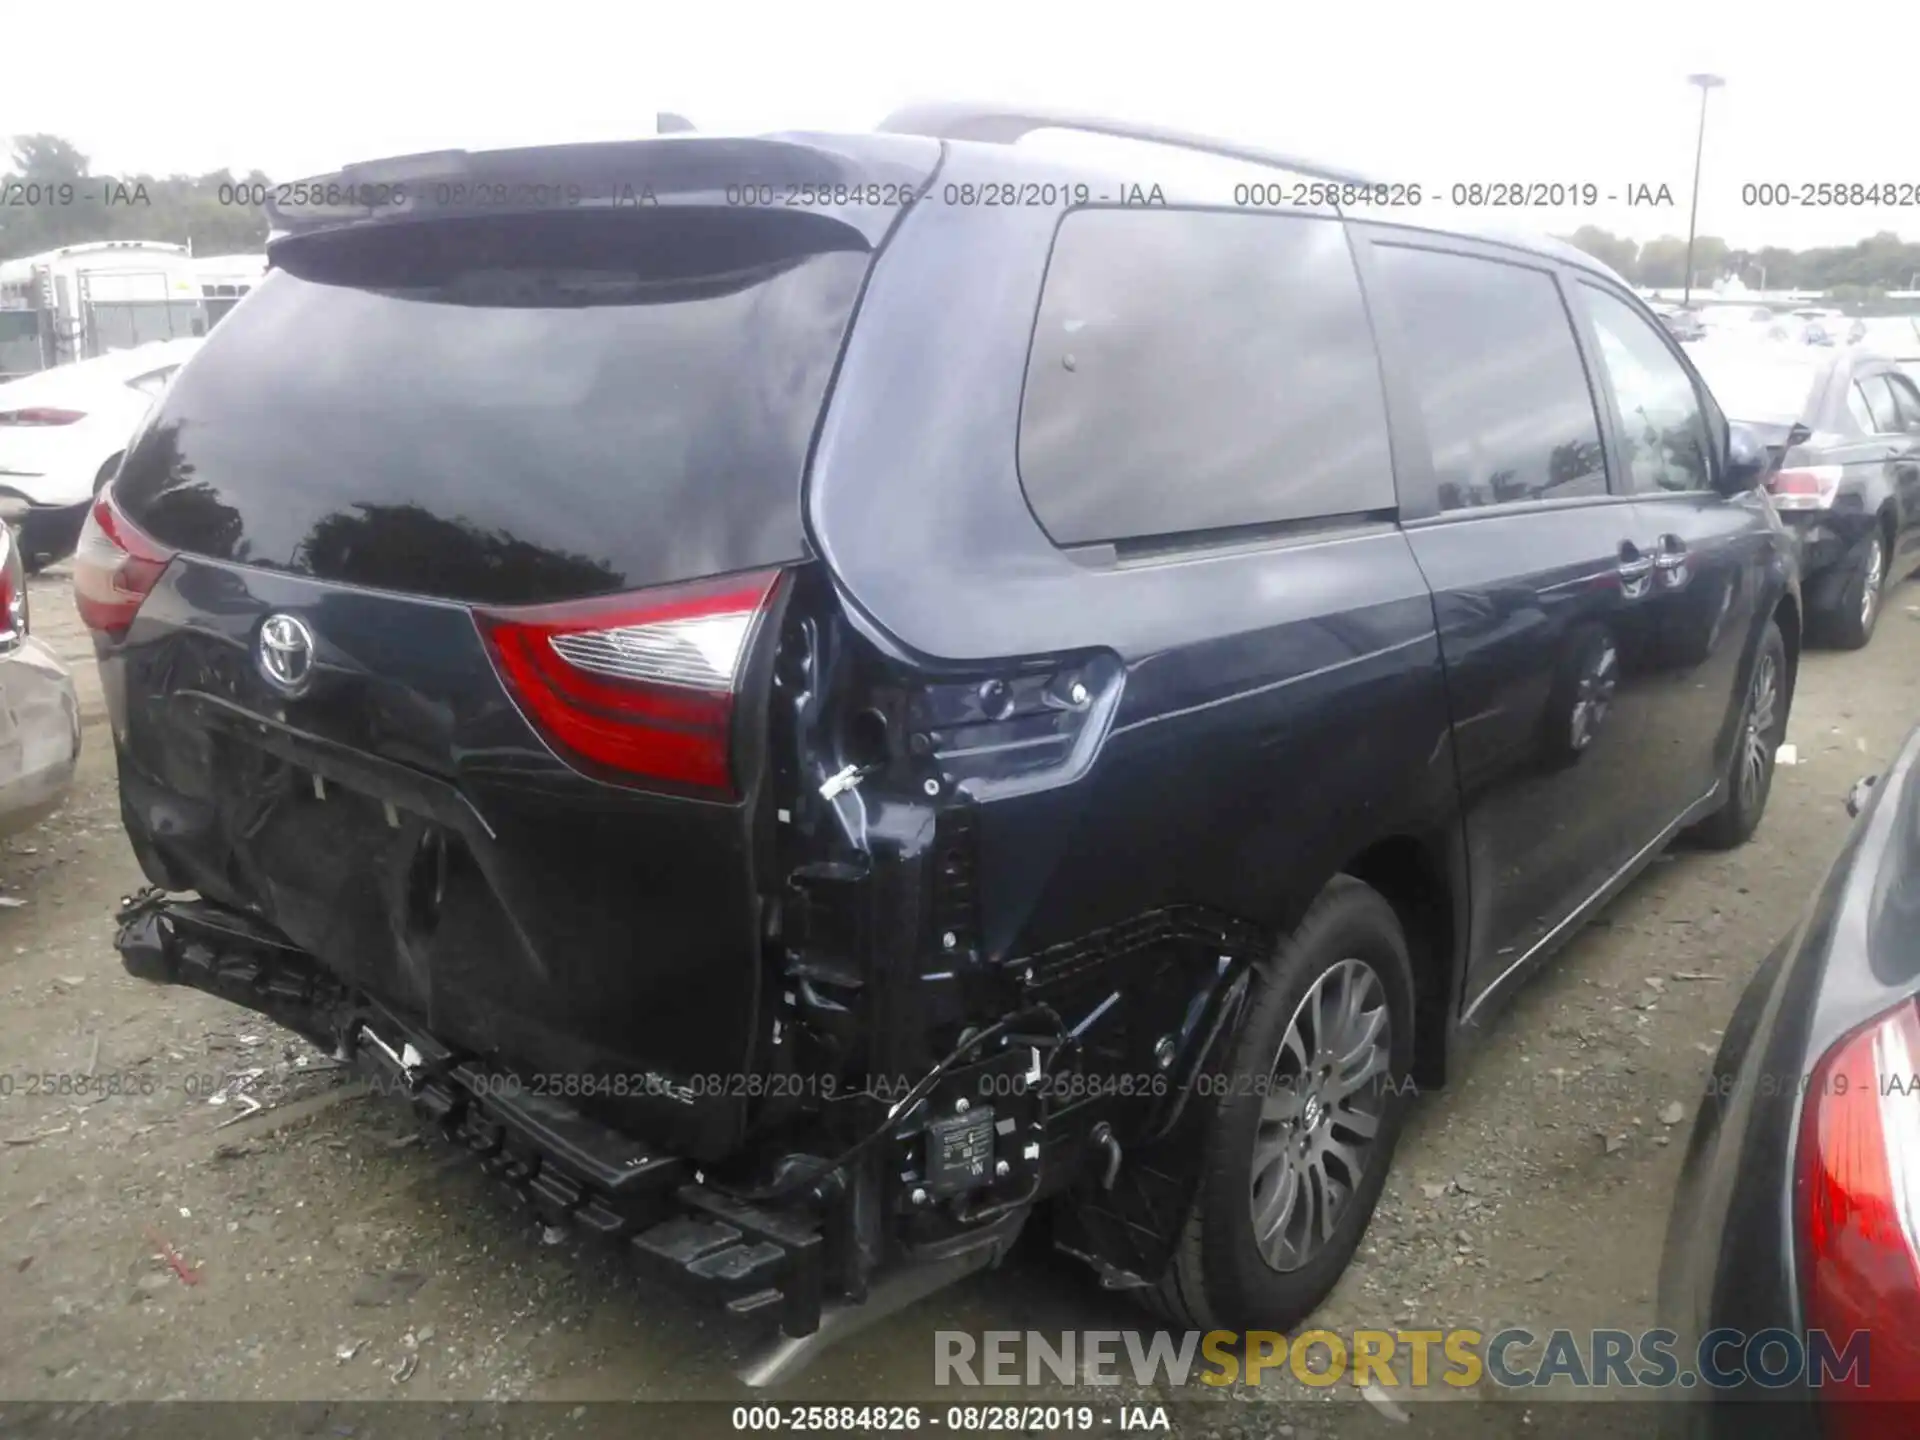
pixel 861 181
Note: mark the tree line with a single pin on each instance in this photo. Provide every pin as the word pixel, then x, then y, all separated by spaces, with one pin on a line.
pixel 50 197
pixel 1861 270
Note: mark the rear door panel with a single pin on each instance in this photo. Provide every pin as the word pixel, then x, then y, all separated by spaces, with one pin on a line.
pixel 1537 585
pixel 1717 557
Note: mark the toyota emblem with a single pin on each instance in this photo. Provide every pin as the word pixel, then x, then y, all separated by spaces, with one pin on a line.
pixel 286 652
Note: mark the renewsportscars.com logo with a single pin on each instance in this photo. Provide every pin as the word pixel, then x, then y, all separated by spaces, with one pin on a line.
pixel 1512 1358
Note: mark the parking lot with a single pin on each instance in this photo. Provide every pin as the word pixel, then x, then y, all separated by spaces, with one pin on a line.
pixel 162 1237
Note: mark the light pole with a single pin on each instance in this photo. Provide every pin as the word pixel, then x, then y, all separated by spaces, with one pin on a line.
pixel 1706 83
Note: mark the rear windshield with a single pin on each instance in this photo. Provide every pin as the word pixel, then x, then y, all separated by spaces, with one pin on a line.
pixel 1758 385
pixel 508 409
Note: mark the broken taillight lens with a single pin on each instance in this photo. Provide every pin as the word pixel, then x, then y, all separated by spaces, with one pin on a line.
pixel 641 685
pixel 115 567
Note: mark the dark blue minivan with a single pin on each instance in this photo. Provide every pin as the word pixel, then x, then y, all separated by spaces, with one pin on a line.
pixel 816 698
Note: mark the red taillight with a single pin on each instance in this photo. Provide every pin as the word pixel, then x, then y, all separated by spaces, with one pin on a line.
pixel 1809 487
pixel 641 684
pixel 41 415
pixel 115 566
pixel 13 593
pixel 1859 1201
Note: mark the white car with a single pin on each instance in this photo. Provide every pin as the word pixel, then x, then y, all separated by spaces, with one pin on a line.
pixel 61 435
pixel 39 713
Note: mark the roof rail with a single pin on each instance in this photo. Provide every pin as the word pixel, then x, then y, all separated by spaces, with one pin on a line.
pixel 960 120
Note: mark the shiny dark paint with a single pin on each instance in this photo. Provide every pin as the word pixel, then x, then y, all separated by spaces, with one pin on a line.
pixel 1520 591
pixel 1265 709
pixel 1521 594
pixel 580 927
pixel 1732 1247
pixel 48 532
pixel 1244 659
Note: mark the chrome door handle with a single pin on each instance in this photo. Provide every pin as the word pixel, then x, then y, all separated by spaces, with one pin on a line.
pixel 1671 561
pixel 1634 574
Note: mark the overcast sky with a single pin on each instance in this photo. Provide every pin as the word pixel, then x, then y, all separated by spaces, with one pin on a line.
pixel 1443 92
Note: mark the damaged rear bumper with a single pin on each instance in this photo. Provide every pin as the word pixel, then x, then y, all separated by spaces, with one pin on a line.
pixel 762 1264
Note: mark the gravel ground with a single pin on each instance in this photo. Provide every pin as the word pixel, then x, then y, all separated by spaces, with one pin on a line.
pixel 336 1255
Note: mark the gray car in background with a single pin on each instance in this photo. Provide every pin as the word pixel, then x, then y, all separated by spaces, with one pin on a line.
pixel 39 714
pixel 1844 425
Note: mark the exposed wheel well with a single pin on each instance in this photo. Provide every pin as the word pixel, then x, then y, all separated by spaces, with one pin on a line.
pixel 1409 874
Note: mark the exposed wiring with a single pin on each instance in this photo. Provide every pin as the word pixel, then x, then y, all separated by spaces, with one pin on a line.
pixel 994 1212
pixel 903 1106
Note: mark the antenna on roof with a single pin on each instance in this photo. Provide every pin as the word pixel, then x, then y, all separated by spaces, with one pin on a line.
pixel 668 123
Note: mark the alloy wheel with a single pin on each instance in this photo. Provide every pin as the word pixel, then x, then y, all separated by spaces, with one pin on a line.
pixel 1325 1097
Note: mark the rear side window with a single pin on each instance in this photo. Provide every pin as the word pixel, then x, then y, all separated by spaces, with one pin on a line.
pixel 515 408
pixel 1197 371
pixel 1906 401
pixel 1857 408
pixel 1503 394
pixel 1886 418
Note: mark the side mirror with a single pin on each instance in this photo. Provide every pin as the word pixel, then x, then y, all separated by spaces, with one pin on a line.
pixel 1747 460
pixel 1858 796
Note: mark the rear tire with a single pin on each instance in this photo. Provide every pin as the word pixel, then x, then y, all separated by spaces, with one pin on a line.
pixel 1763 725
pixel 1849 621
pixel 1340 984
